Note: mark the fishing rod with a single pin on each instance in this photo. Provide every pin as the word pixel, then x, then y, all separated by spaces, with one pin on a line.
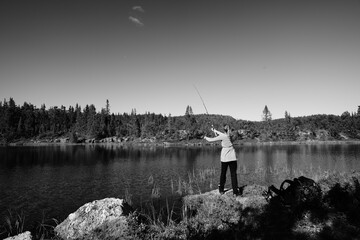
pixel 202 100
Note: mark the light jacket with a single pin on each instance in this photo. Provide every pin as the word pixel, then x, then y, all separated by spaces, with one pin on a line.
pixel 227 151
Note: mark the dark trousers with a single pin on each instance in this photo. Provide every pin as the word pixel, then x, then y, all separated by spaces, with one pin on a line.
pixel 233 166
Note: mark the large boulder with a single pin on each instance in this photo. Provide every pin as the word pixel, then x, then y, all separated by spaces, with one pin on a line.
pixel 22 236
pixel 100 219
pixel 213 215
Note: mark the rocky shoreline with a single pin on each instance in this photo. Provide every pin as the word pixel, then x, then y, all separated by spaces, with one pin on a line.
pixel 214 216
pixel 154 142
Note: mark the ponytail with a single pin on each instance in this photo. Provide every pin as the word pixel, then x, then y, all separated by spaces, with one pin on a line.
pixel 227 129
pixel 228 132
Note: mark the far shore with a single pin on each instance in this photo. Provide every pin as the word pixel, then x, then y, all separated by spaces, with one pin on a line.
pixel 184 143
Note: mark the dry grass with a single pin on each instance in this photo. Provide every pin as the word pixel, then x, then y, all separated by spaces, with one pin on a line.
pixel 213 216
pixel 196 182
pixel 14 224
pixel 278 174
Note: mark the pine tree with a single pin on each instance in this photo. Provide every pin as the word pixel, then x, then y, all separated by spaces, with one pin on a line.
pixel 169 125
pixel 137 127
pixel 91 123
pixel 80 120
pixel 287 117
pixel 345 115
pixel 107 108
pixel 266 114
pixel 188 111
pixel 111 128
pixel 19 127
pixel 190 122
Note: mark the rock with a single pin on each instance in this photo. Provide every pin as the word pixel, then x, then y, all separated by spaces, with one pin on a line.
pixel 110 140
pixel 211 211
pixel 22 236
pixel 91 140
pixel 81 140
pixel 252 197
pixel 100 219
pixel 64 140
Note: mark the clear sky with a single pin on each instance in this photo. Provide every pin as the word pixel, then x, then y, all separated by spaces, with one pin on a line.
pixel 300 56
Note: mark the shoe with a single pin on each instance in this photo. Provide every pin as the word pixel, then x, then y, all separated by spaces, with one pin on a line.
pixel 221 190
pixel 238 192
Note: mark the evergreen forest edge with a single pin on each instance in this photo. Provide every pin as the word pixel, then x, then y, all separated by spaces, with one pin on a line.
pixel 27 122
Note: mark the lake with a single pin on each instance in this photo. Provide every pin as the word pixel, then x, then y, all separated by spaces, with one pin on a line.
pixel 56 180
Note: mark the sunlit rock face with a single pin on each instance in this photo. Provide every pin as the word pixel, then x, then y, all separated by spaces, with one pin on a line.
pixel 22 236
pixel 100 219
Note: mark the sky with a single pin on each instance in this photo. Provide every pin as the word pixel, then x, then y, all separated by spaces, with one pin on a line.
pixel 302 57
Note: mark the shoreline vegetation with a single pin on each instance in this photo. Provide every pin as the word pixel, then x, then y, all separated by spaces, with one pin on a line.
pixel 210 215
pixel 22 125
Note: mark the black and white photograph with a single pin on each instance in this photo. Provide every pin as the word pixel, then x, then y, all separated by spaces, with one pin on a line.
pixel 179 119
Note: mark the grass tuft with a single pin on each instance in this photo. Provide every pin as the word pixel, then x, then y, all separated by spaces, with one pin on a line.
pixel 128 196
pixel 45 228
pixel 13 223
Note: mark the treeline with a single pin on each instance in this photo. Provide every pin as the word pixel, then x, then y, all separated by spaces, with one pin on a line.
pixel 27 121
pixel 77 123
pixel 316 127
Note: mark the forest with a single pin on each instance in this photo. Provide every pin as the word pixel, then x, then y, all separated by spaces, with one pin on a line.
pixel 77 124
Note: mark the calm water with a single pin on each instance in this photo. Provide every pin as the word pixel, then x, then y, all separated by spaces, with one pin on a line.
pixel 56 180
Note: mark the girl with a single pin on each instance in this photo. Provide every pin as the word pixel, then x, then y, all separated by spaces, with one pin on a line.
pixel 228 158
